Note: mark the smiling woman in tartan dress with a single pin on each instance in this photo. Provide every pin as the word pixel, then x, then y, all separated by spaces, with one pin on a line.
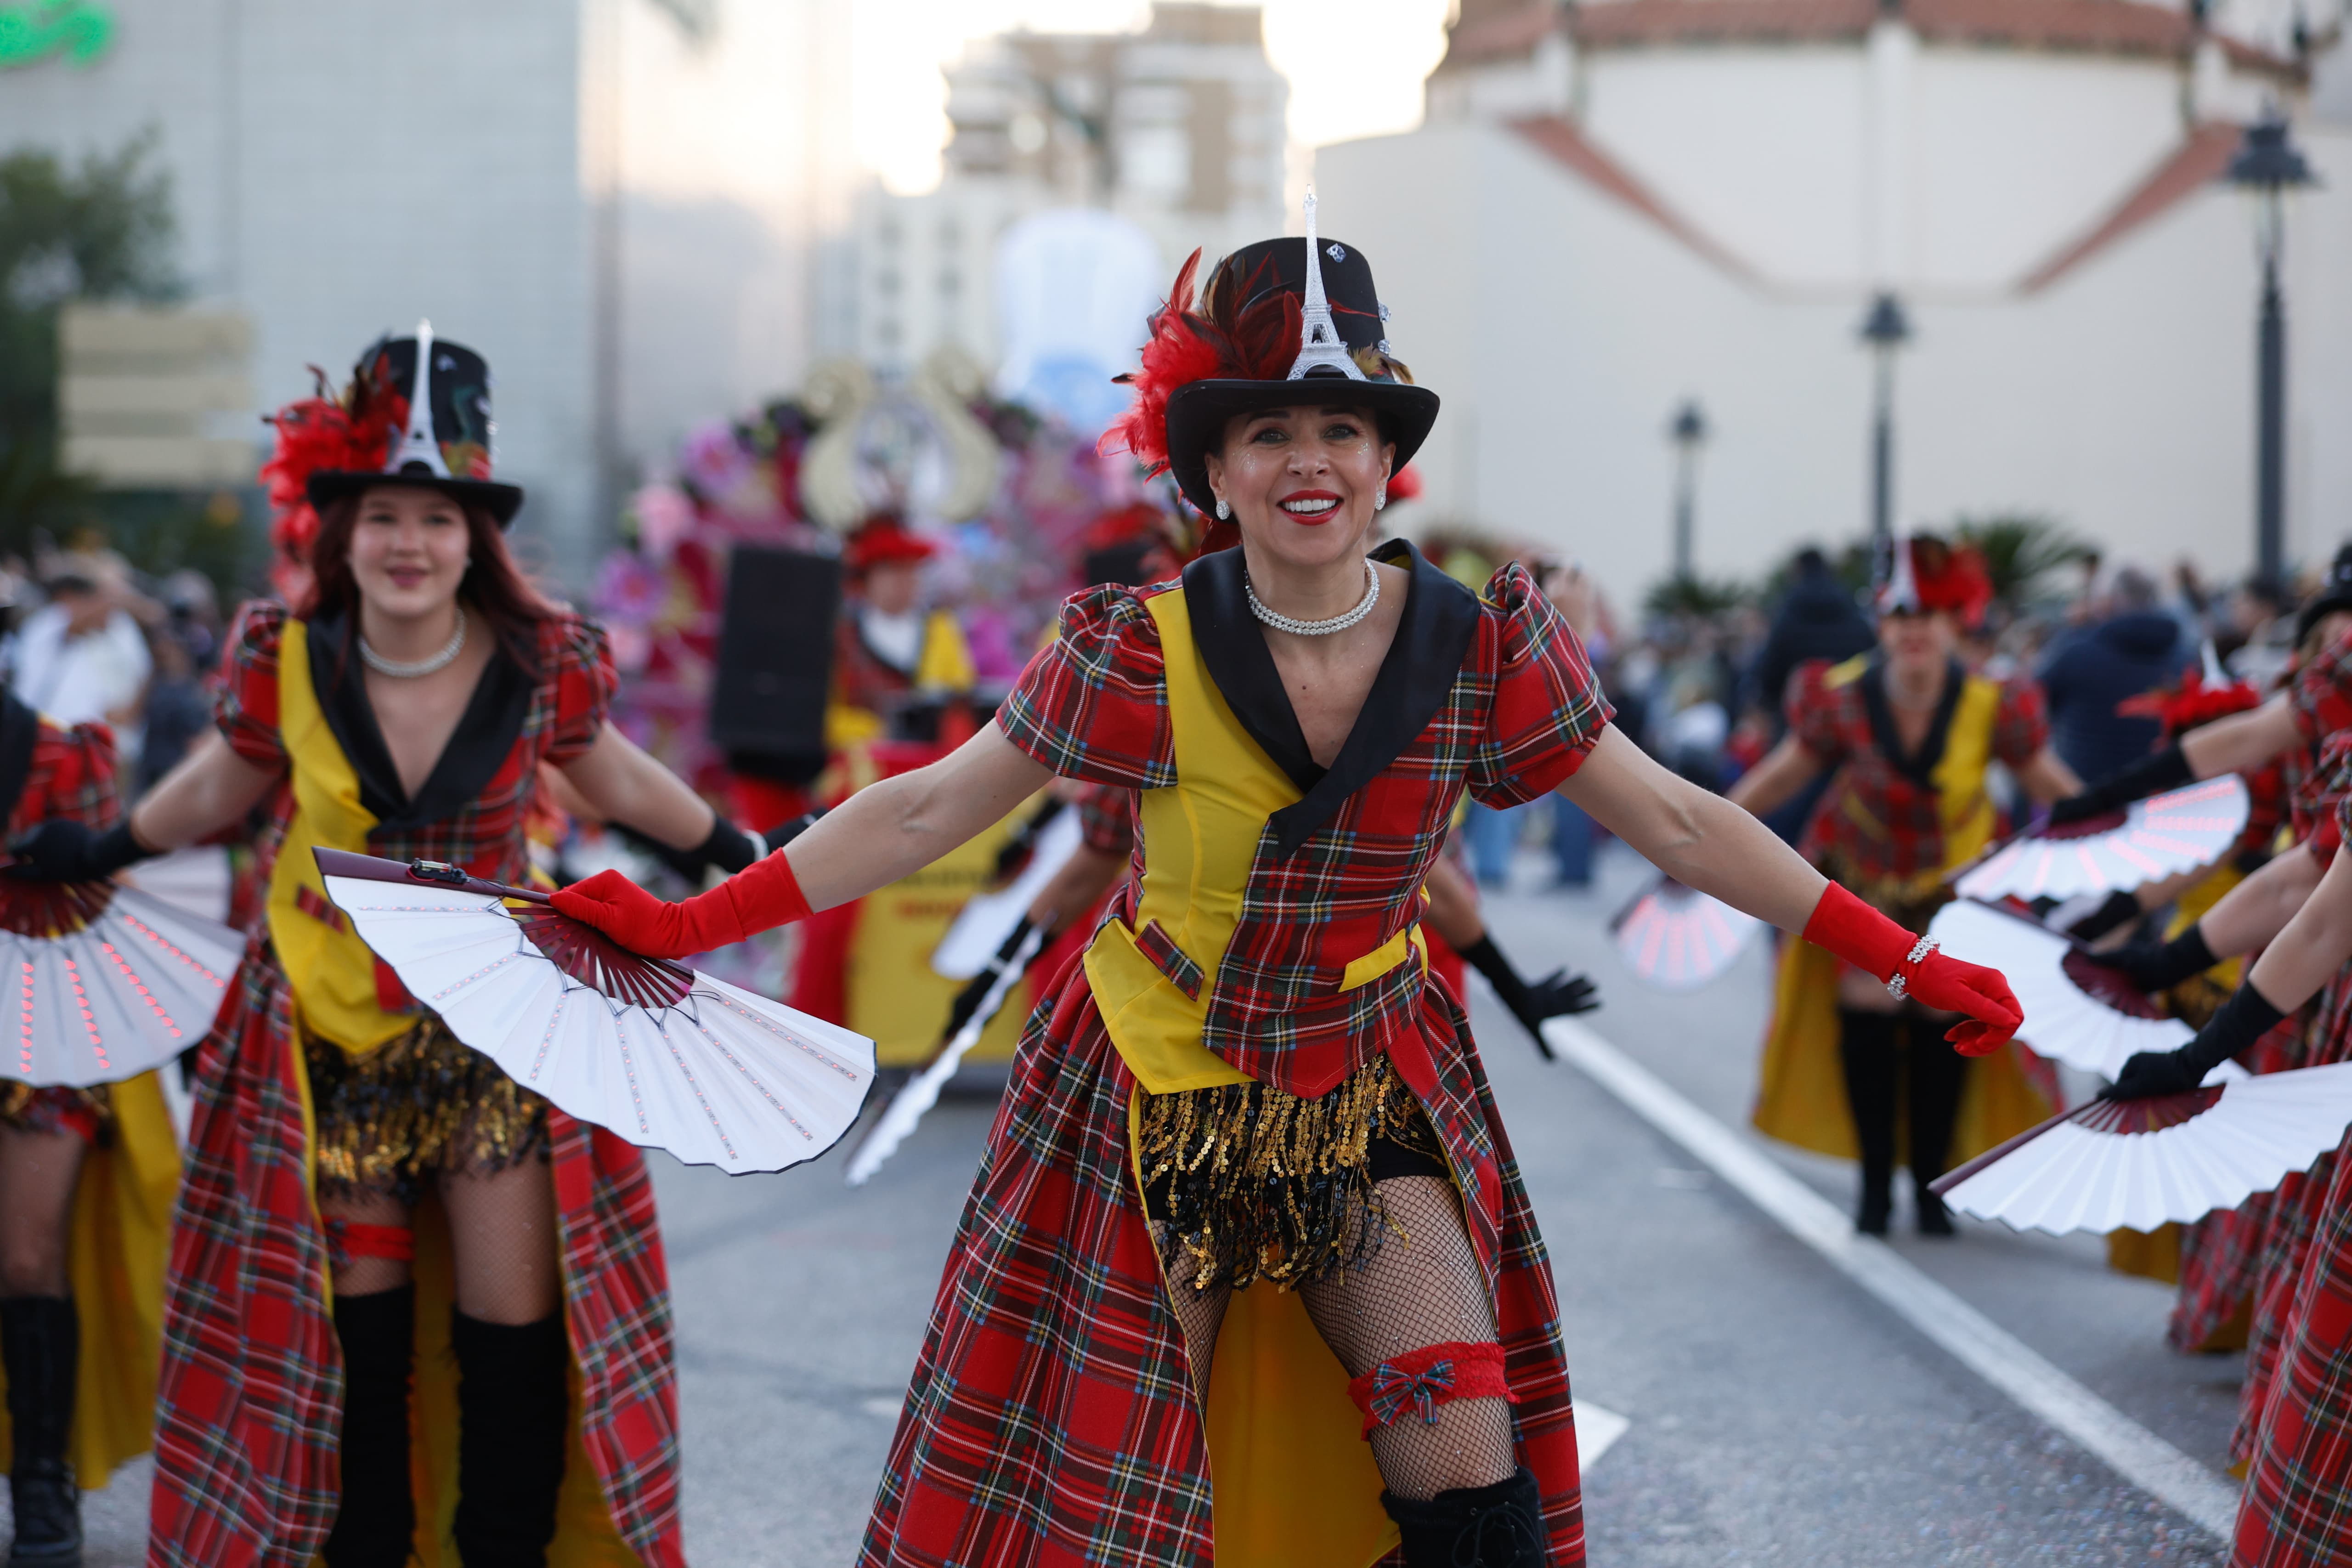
pixel 344 1143
pixel 1248 1210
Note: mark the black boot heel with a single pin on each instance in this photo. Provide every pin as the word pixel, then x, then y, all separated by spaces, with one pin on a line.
pixel 1498 1526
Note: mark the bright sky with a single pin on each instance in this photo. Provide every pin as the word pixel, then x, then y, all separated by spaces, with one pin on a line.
pixel 1355 65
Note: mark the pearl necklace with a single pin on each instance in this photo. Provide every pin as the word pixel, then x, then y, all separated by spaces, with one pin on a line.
pixel 425 665
pixel 1338 623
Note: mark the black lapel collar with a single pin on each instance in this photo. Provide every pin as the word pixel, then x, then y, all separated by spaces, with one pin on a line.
pixel 1441 622
pixel 1919 769
pixel 492 722
pixel 20 727
pixel 1234 650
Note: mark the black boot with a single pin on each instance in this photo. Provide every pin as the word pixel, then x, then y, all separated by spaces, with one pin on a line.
pixel 377 1517
pixel 1500 1526
pixel 40 1342
pixel 1937 1075
pixel 1866 1050
pixel 514 1419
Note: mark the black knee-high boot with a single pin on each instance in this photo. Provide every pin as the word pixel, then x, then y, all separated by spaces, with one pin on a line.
pixel 1866 1050
pixel 1937 1073
pixel 41 1342
pixel 1500 1526
pixel 514 1409
pixel 378 1513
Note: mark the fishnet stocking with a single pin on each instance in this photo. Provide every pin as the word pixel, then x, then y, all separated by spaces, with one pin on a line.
pixel 501 1236
pixel 37 1175
pixel 1421 1286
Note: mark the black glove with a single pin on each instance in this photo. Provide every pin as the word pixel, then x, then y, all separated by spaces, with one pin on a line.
pixel 783 833
pixel 1023 839
pixel 2120 909
pixel 1558 994
pixel 726 846
pixel 2161 965
pixel 2168 769
pixel 2245 1018
pixel 62 850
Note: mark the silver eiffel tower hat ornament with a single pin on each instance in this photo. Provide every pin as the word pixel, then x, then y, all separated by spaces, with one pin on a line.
pixel 417 448
pixel 1319 347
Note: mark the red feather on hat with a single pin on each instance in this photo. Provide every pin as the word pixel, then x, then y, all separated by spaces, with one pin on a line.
pixel 1221 339
pixel 320 435
pixel 2191 703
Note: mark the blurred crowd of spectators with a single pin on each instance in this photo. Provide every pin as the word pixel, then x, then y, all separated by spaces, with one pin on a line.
pixel 1701 689
pixel 91 639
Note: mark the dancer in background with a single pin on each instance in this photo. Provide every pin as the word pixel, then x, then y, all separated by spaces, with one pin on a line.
pixel 86 1180
pixel 1907 735
pixel 368 1201
pixel 1249 1210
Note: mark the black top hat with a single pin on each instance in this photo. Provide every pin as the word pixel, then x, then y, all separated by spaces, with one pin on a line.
pixel 2335 593
pixel 439 427
pixel 1336 351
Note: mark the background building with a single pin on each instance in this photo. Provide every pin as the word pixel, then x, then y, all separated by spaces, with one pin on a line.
pixel 1178 129
pixel 1618 206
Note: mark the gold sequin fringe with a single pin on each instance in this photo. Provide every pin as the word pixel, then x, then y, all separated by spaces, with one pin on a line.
pixel 419 1105
pixel 29 1110
pixel 1260 1184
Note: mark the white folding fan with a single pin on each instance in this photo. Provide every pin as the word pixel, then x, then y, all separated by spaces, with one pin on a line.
pixel 197 880
pixel 663 1056
pixel 2139 1163
pixel 982 926
pixel 2151 839
pixel 1676 937
pixel 102 982
pixel 2077 1010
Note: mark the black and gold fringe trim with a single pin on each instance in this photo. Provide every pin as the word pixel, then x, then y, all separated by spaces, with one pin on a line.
pixel 419 1105
pixel 1255 1183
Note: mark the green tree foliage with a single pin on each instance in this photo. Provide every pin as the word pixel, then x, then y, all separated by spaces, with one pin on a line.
pixel 101 230
pixel 1697 598
pixel 2022 550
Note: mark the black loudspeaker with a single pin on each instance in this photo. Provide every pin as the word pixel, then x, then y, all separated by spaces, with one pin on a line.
pixel 775 655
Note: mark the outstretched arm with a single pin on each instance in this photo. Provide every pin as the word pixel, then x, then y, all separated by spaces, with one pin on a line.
pixel 2250 914
pixel 878 835
pixel 2243 742
pixel 1705 842
pixel 1701 840
pixel 211 788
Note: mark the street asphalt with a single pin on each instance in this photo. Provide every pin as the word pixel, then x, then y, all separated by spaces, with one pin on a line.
pixel 1776 1415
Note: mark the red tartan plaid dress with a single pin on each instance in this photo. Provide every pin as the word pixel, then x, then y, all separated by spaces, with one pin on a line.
pixel 1051 1418
pixel 2319 783
pixel 247 1468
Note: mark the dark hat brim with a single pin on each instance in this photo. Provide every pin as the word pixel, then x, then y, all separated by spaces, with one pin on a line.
pixel 1197 412
pixel 2330 598
pixel 502 501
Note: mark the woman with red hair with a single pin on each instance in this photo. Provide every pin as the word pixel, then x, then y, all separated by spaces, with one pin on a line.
pixel 1248 1211
pixel 1910 733
pixel 351 1162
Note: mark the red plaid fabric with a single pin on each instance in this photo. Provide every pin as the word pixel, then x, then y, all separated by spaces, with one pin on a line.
pixel 2297 1511
pixel 247 1470
pixel 1051 1419
pixel 1520 717
pixel 71 775
pixel 1105 818
pixel 2222 1255
pixel 1878 825
pixel 567 710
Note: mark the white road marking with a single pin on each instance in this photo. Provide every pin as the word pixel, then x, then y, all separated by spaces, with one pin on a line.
pixel 1597 1429
pixel 2132 1451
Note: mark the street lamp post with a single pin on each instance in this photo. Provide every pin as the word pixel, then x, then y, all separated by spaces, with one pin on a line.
pixel 2268 165
pixel 1886 329
pixel 1689 433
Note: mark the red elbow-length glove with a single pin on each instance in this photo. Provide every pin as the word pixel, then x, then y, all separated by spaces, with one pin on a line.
pixel 763 894
pixel 1870 942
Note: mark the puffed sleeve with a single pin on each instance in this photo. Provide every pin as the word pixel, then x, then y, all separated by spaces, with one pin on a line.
pixel 1549 711
pixel 1093 704
pixel 1810 707
pixel 71 777
pixel 244 694
pixel 576 658
pixel 2321 697
pixel 2021 727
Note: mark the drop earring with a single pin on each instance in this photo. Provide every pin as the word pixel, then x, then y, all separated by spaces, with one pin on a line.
pixel 1381 499
pixel 1224 510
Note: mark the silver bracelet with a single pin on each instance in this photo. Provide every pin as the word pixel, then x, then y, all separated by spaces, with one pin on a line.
pixel 1901 983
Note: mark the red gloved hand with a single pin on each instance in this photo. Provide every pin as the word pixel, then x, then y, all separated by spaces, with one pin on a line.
pixel 763 895
pixel 1870 942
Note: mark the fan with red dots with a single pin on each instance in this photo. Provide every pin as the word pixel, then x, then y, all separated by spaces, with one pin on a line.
pixel 102 983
